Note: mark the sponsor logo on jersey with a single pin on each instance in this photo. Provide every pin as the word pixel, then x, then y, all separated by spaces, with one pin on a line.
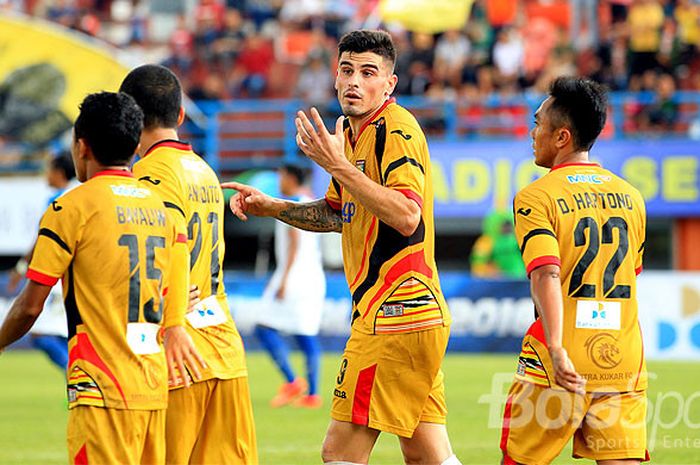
pixel 360 165
pixel 340 394
pixel 125 190
pixel 400 133
pixel 56 207
pixel 155 182
pixel 592 314
pixel 348 211
pixel 524 211
pixel 602 349
pixel 587 178
pixel 341 373
pixel 392 309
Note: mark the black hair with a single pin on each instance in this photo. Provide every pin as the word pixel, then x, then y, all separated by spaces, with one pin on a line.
pixel 158 92
pixel 581 105
pixel 110 124
pixel 365 40
pixel 63 163
pixel 298 172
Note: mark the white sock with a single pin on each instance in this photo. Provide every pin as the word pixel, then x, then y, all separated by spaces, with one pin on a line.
pixel 452 460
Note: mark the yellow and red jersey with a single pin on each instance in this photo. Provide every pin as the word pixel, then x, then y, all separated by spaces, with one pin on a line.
pixel 393 279
pixel 113 242
pixel 592 224
pixel 191 189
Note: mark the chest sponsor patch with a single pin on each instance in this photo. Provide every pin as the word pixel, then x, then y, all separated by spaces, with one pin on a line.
pixel 360 165
pixel 594 314
pixel 208 312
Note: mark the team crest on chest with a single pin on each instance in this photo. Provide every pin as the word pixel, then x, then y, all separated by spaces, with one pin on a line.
pixel 360 165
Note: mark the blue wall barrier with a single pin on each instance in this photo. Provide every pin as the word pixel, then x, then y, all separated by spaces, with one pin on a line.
pixel 488 315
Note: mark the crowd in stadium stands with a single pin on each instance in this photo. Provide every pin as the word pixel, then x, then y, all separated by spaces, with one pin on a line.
pixel 230 49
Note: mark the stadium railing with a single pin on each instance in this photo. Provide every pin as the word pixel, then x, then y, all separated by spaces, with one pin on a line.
pixel 249 134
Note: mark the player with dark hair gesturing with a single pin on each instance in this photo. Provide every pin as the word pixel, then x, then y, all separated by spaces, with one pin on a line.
pixel 380 199
pixel 581 229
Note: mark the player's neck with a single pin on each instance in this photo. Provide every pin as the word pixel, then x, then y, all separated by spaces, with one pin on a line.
pixel 94 168
pixel 150 137
pixel 565 158
pixel 358 122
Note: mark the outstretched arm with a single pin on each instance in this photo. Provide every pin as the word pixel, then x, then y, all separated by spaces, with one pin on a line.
pixel 316 216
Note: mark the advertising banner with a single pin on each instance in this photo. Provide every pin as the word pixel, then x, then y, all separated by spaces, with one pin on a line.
pixel 490 316
pixel 470 178
pixel 23 202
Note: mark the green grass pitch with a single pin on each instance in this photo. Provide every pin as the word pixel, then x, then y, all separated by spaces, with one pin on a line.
pixel 33 412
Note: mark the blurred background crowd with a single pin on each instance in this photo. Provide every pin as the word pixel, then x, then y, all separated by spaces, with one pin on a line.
pixel 232 49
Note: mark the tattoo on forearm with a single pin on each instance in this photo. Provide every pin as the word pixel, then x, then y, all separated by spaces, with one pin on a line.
pixel 315 216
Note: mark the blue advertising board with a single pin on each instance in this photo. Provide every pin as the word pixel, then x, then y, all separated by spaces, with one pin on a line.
pixel 472 178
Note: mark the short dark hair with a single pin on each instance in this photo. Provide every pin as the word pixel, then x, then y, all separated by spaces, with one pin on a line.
pixel 580 104
pixel 63 163
pixel 297 171
pixel 365 40
pixel 110 124
pixel 158 92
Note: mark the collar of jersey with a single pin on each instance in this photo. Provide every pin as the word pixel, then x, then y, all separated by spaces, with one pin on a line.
pixel 566 165
pixel 371 120
pixel 172 143
pixel 123 173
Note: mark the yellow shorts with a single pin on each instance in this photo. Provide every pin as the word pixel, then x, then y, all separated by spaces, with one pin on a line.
pixel 211 422
pixel 539 421
pixel 106 436
pixel 392 382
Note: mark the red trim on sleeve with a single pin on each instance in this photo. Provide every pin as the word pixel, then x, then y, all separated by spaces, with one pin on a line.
pixel 41 278
pixel 124 173
pixel 363 394
pixel 333 204
pixel 165 291
pixel 639 270
pixel 181 238
pixel 413 196
pixel 542 261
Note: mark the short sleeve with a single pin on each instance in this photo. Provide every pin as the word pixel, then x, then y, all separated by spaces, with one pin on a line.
pixel 60 231
pixel 334 195
pixel 534 231
pixel 404 161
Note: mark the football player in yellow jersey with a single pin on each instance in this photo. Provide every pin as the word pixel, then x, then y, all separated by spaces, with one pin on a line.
pixel 381 200
pixel 581 230
pixel 119 253
pixel 212 422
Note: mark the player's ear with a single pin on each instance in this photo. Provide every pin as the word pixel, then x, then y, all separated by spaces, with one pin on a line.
pixel 564 136
pixel 181 116
pixel 393 80
pixel 83 150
